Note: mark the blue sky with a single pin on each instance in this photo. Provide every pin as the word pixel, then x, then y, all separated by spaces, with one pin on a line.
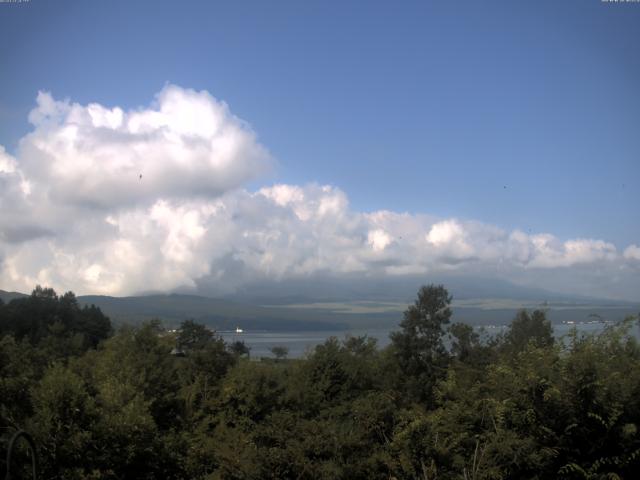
pixel 422 107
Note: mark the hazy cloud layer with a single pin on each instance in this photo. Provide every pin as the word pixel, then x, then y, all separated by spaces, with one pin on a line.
pixel 102 200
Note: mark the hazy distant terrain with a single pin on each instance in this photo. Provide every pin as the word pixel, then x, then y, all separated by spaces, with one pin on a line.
pixel 341 309
pixel 221 314
pixel 8 296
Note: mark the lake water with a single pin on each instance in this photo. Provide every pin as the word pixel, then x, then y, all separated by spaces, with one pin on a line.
pixel 301 342
pixel 298 343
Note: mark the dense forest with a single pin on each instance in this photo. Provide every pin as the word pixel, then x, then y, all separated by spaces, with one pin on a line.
pixel 442 401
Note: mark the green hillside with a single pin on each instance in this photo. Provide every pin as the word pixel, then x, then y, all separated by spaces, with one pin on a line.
pixel 223 314
pixel 220 314
pixel 6 297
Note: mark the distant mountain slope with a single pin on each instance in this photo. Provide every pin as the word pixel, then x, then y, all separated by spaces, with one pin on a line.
pixel 365 304
pixel 318 315
pixel 221 314
pixel 6 297
pixel 393 289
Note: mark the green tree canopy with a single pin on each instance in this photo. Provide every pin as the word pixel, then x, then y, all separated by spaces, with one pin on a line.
pixel 419 348
pixel 194 336
pixel 528 328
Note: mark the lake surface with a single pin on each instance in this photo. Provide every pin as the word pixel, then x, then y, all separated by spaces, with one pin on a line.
pixel 301 342
pixel 298 343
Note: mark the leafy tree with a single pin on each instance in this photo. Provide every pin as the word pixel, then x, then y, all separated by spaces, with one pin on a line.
pixel 21 367
pixel 465 340
pixel 193 336
pixel 64 416
pixel 526 328
pixel 280 352
pixel 200 374
pixel 418 348
pixel 58 322
pixel 135 387
pixel 518 406
pixel 239 348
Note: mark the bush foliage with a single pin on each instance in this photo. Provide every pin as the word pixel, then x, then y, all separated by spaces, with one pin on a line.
pixel 144 402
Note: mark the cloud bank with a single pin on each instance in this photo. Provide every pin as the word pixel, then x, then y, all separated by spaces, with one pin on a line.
pixel 103 200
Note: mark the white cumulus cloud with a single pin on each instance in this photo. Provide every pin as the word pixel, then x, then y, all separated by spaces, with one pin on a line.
pixel 632 252
pixel 187 143
pixel 77 215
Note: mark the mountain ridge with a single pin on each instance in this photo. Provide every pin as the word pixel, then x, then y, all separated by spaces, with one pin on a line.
pixel 302 312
